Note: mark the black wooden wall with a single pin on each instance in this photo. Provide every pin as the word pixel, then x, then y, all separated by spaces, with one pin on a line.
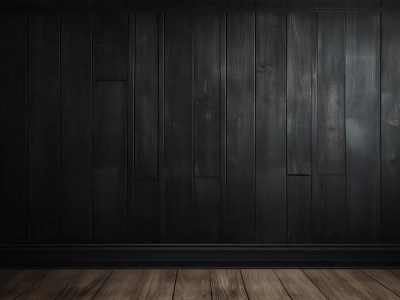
pixel 230 126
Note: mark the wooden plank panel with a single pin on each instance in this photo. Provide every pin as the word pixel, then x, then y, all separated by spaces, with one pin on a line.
pixel 298 285
pixel 192 284
pixel 120 285
pixel 263 284
pixel 363 3
pixel 55 282
pixel 362 127
pixel 240 3
pixel 76 127
pixel 178 127
pixel 156 284
pixel 299 209
pixel 227 284
pixel 390 4
pixel 15 282
pixel 271 128
pixel 331 69
pixel 301 40
pixel 331 3
pixel 387 278
pixel 390 128
pixel 110 4
pixel 109 162
pixel 207 210
pixel 13 146
pixel 271 3
pixel 110 46
pixel 145 211
pixel 240 212
pixel 76 4
pixel 85 285
pixel 207 88
pixel 146 96
pixel 302 3
pixel 348 284
pixel 329 219
pixel 44 127
pixel 43 4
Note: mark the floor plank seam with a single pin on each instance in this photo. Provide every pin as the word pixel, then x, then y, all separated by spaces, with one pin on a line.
pixel 103 284
pixel 33 283
pixel 244 284
pixel 176 277
pixel 284 287
pixel 380 283
pixel 305 273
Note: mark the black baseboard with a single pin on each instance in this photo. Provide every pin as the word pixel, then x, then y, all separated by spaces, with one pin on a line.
pixel 189 256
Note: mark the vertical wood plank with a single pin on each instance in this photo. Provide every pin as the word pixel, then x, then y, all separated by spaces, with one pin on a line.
pixel 271 3
pixel 109 162
pixel 240 3
pixel 299 209
pixel 146 96
pixel 76 127
pixel 44 127
pixel 207 95
pixel 330 110
pixel 390 4
pixel 145 211
pixel 178 127
pixel 331 3
pixel 271 128
pixel 43 4
pixel 240 128
pixel 227 284
pixel 13 146
pixel 302 3
pixel 110 46
pixel 192 284
pixel 301 40
pixel 329 219
pixel 362 127
pixel 363 3
pixel 110 4
pixel 207 210
pixel 390 127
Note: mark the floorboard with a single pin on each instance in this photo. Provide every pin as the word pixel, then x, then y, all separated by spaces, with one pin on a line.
pixel 349 284
pixel 156 284
pixel 121 284
pixel 388 279
pixel 227 284
pixel 193 284
pixel 15 282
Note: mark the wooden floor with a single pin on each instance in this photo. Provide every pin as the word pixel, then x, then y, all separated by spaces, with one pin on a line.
pixel 200 284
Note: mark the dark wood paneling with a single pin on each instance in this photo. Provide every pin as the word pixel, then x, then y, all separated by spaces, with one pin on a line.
pixel 207 88
pixel 207 210
pixel 43 120
pixel 363 3
pixel 302 3
pixel 240 3
pixel 331 63
pixel 299 209
pixel 301 41
pixel 76 127
pixel 362 127
pixel 271 128
pixel 109 162
pixel 178 127
pixel 271 3
pixel 110 4
pixel 145 211
pixel 146 96
pixel 110 46
pixel 240 206
pixel 44 4
pixel 13 146
pixel 390 3
pixel 390 132
pixel 329 217
pixel 76 4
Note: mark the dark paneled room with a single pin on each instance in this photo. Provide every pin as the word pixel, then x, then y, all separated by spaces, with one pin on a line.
pixel 201 133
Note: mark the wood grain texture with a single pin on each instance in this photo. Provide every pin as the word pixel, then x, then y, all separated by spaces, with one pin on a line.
pixel 43 121
pixel 240 212
pixel 109 162
pixel 178 127
pixel 263 284
pixel 13 146
pixel 227 284
pixel 76 127
pixel 270 128
pixel 330 97
pixel 110 46
pixel 299 209
pixel 207 215
pixel 85 285
pixel 156 284
pixel 192 285
pixel 388 279
pixel 15 282
pixel 390 127
pixel 207 87
pixel 146 95
pixel 348 284
pixel 329 217
pixel 300 51
pixel 362 128
pixel 120 284
pixel 298 285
